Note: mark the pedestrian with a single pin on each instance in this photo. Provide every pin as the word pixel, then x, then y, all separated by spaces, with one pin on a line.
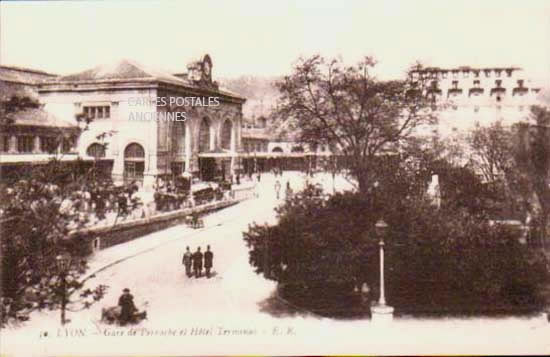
pixel 187 257
pixel 208 258
pixel 197 262
pixel 277 188
pixel 127 307
pixel 288 192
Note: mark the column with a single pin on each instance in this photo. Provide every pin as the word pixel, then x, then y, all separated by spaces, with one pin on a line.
pixel 188 135
pixel 233 147
pixel 12 144
pixel 36 146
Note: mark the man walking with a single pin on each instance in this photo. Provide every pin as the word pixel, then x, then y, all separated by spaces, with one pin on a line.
pixel 208 258
pixel 197 262
pixel 187 257
pixel 277 188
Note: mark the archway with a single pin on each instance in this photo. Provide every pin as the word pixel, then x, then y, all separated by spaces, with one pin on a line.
pixel 96 151
pixel 277 149
pixel 227 129
pixel 134 162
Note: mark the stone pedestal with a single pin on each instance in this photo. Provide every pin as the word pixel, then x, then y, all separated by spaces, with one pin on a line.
pixel 381 313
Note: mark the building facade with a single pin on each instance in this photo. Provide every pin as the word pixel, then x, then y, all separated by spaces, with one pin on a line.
pixel 145 123
pixel 468 96
pixel 30 135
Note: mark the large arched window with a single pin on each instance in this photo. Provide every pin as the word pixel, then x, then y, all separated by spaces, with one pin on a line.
pixel 134 151
pixel 134 162
pixel 178 138
pixel 277 149
pixel 227 128
pixel 204 135
pixel 96 150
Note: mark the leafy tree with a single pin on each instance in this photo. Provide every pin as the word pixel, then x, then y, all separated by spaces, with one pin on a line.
pixel 348 107
pixel 533 159
pixel 492 150
pixel 38 214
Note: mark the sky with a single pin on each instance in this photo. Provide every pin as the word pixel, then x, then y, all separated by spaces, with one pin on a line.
pixel 265 38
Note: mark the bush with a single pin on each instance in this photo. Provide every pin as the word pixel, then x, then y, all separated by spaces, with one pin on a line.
pixel 447 260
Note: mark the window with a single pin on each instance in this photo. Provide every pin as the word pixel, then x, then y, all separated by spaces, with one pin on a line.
pixel 96 150
pixel 487 73
pixel 97 111
pixel 476 84
pixel 520 83
pixel 498 72
pixel 455 74
pixel 444 75
pixel 476 74
pixel 465 74
pixel 498 83
pixel 455 84
pixel 25 143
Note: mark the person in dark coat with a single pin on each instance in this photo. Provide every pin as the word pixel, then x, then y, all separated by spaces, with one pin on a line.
pixel 197 262
pixel 126 302
pixel 186 261
pixel 208 258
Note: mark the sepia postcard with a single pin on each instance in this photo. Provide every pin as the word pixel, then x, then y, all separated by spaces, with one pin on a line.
pixel 274 178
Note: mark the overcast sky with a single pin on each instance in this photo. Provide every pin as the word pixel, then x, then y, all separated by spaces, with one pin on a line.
pixel 265 38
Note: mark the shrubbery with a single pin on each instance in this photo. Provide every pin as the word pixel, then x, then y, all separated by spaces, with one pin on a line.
pixel 446 260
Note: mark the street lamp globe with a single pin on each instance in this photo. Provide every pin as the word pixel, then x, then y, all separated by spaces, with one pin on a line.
pixel 381 228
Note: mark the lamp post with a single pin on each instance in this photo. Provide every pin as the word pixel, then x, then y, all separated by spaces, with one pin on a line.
pixel 381 311
pixel 63 263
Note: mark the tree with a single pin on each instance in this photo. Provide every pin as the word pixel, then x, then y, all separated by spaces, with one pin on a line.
pixel 533 159
pixel 492 151
pixel 348 107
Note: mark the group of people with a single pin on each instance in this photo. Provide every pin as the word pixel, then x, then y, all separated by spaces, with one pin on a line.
pixel 195 260
pixel 288 190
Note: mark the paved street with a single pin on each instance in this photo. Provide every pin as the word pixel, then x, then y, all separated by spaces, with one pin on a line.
pixel 234 310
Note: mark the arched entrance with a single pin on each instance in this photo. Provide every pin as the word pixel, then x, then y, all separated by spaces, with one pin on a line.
pixel 207 165
pixel 102 167
pixel 227 129
pixel 134 162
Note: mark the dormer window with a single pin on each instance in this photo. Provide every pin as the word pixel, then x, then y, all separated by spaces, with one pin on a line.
pixel 444 74
pixel 487 73
pixel 455 74
pixel 465 74
pixel 509 72
pixel 498 72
